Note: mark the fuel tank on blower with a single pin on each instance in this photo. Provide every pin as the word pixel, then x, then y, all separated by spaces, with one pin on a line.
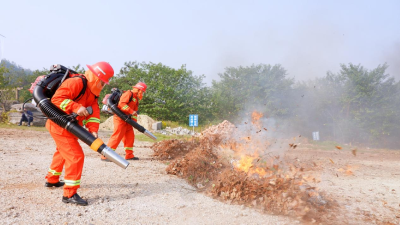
pixel 112 103
pixel 64 120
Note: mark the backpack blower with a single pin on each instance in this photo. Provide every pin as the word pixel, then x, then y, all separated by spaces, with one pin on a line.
pixel 42 93
pixel 112 103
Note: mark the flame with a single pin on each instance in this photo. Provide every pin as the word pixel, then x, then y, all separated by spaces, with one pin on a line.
pixel 245 163
pixel 260 171
pixel 255 119
pixel 242 146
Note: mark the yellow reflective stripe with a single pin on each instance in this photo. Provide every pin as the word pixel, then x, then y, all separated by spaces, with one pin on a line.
pixel 134 99
pixel 134 117
pixel 72 182
pixel 84 122
pixel 93 120
pixel 125 107
pixel 113 149
pixel 65 103
pixel 55 173
pixel 128 148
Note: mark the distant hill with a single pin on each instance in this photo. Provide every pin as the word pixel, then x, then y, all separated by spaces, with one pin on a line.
pixel 12 66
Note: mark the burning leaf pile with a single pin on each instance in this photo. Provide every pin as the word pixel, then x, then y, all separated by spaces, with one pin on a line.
pixel 171 149
pixel 240 165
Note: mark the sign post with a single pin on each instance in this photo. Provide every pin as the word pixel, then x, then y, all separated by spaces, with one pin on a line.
pixel 315 136
pixel 193 121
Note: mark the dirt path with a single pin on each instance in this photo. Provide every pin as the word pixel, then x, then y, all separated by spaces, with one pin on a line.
pixel 365 183
pixel 141 194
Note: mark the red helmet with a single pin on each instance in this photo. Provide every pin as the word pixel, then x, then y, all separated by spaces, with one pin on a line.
pixel 141 86
pixel 102 70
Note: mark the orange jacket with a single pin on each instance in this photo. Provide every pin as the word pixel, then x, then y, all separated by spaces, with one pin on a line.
pixel 63 99
pixel 129 103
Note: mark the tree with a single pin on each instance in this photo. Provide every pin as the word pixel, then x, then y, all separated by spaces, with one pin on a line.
pixel 355 105
pixel 79 69
pixel 263 87
pixel 5 89
pixel 172 94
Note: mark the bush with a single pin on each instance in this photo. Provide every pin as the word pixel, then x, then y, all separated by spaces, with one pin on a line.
pixel 4 117
pixel 163 125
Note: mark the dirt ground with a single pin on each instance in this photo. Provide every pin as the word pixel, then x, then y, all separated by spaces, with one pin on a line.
pixel 366 185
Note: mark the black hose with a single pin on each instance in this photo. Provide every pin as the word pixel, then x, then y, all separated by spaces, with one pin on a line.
pixel 23 105
pixel 61 118
pixel 113 105
pixel 41 94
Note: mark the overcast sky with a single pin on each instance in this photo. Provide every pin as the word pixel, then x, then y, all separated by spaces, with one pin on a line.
pixel 308 38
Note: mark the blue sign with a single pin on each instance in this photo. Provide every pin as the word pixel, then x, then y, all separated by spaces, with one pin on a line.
pixel 193 120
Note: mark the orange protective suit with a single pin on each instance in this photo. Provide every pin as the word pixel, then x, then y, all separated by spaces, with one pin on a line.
pixel 128 104
pixel 69 152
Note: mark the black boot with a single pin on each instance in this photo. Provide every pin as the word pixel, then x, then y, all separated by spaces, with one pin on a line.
pixel 58 184
pixel 75 199
pixel 134 158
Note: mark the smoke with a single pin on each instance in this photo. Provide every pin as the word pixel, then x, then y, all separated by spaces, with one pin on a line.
pixel 392 57
pixel 307 52
pixel 261 136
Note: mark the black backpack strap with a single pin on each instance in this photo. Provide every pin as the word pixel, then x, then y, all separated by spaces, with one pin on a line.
pixel 130 98
pixel 84 81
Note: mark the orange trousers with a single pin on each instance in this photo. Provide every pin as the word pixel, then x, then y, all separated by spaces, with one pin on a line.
pixel 69 153
pixel 122 131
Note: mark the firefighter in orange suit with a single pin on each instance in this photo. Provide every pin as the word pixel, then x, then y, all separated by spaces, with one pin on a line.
pixel 128 104
pixel 69 154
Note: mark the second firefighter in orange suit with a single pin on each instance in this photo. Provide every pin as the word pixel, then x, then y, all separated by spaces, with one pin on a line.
pixel 69 154
pixel 128 104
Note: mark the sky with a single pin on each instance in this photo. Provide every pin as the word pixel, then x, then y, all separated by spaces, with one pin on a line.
pixel 308 38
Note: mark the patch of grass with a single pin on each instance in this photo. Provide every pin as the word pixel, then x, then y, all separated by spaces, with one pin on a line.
pixel 173 124
pixel 160 137
pixel 14 126
pixel 104 117
pixel 325 145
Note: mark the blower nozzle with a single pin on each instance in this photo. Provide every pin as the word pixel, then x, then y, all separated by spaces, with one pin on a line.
pixel 112 103
pixel 114 157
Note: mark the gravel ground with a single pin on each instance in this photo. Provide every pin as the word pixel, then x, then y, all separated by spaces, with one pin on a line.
pixel 141 194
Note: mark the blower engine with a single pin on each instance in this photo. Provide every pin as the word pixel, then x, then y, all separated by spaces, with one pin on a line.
pixel 112 103
pixel 45 89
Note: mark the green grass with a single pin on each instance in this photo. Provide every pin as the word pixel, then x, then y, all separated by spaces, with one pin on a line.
pixel 14 126
pixel 160 137
pixel 198 129
pixel 104 117
pixel 325 145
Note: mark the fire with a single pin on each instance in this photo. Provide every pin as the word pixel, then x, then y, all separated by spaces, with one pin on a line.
pixel 245 163
pixel 255 119
pixel 260 171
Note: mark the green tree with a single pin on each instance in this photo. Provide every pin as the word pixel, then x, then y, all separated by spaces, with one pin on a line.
pixel 263 87
pixel 355 105
pixel 172 94
pixel 79 69
pixel 6 90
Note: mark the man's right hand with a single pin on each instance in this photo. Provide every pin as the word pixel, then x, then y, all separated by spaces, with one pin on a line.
pixel 82 111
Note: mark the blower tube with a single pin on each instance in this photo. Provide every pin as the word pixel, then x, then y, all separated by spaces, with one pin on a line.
pixel 114 108
pixel 61 118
